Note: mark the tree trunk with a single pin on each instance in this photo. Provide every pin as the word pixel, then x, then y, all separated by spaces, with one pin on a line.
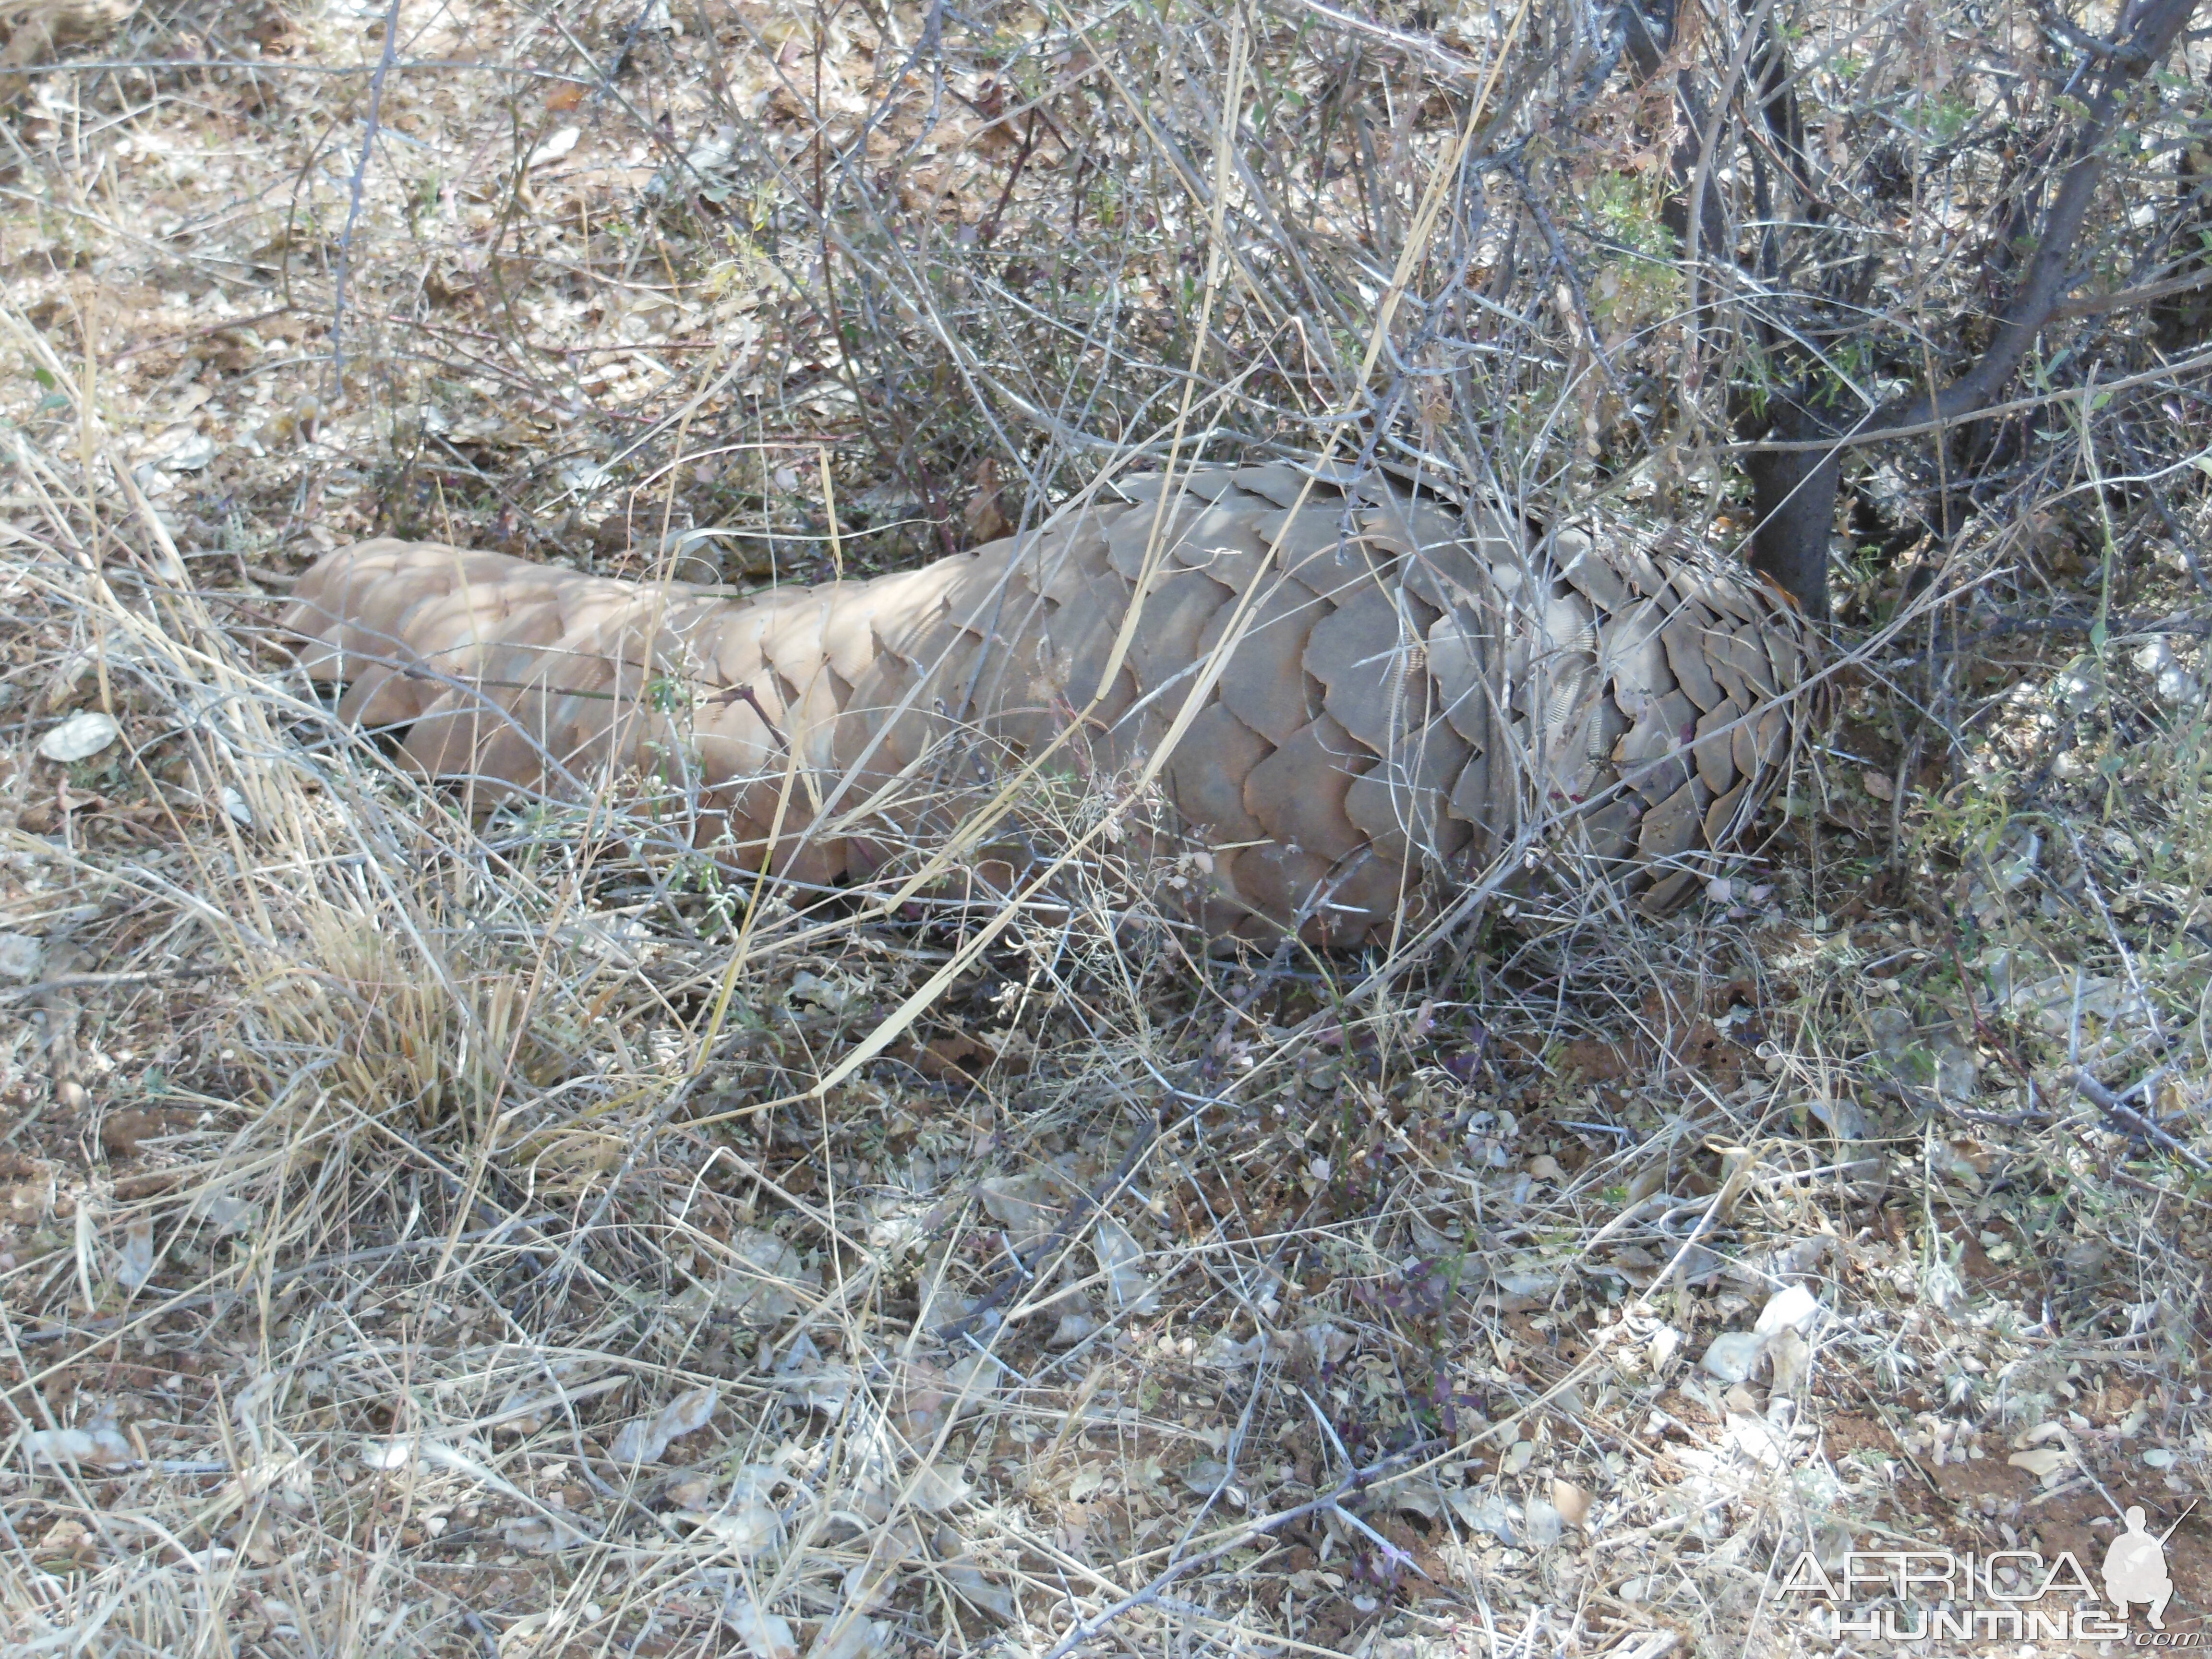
pixel 1794 495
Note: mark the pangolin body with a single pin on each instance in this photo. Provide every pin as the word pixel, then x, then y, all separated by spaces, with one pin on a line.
pixel 1391 691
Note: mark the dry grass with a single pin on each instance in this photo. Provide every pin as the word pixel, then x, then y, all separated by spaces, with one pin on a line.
pixel 425 1236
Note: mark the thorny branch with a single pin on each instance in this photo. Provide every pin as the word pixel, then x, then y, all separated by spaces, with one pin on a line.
pixel 1357 1481
pixel 355 187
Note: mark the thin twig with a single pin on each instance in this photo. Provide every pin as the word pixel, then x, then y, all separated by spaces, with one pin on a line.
pixel 1350 1486
pixel 2134 1122
pixel 356 189
pixel 89 982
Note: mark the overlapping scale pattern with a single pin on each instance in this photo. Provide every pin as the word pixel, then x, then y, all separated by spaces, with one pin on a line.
pixel 1391 691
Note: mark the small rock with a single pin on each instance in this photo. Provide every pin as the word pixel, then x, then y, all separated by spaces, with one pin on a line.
pixel 1542 1523
pixel 22 957
pixel 2179 687
pixel 79 737
pixel 557 144
pixel 1481 1511
pixel 2080 688
pixel 1734 1356
pixel 1073 1327
pixel 190 456
pixel 385 1455
pixel 1792 1308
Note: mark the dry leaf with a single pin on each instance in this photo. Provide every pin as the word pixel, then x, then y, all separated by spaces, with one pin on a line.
pixel 972 1586
pixel 134 1262
pixel 938 1487
pixel 766 1635
pixel 1791 1357
pixel 1734 1355
pixel 1573 1503
pixel 745 1527
pixel 846 1635
pixel 642 1439
pixel 1119 1254
pixel 1792 1308
pixel 100 1444
pixel 534 1534
pixel 557 145
pixel 22 957
pixel 121 1132
pixel 79 737
pixel 1540 1524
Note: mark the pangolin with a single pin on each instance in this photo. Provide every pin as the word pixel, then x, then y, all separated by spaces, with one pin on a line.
pixel 1379 692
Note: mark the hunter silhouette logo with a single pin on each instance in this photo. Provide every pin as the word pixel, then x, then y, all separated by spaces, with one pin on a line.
pixel 2135 1569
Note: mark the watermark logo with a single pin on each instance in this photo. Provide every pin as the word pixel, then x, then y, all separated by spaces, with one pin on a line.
pixel 2135 1570
pixel 2009 1595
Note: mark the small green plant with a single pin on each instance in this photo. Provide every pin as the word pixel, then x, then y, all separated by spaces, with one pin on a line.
pixel 1625 206
pixel 1949 115
pixel 1637 285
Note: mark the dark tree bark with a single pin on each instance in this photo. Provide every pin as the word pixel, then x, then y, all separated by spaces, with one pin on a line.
pixel 2181 321
pixel 1793 497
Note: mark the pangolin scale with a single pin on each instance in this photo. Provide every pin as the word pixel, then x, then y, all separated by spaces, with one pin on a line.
pixel 1409 688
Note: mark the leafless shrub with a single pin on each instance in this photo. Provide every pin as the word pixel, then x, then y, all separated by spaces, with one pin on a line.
pixel 426 1234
